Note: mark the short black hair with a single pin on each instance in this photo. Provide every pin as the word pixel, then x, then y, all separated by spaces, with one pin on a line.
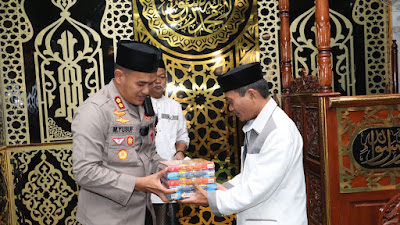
pixel 261 86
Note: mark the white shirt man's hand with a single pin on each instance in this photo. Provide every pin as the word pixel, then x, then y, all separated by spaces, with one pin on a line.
pixel 199 198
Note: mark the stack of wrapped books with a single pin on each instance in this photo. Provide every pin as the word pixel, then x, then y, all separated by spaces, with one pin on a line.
pixel 182 173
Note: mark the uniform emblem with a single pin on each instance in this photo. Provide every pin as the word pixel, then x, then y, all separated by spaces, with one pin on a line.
pixel 119 113
pixel 129 141
pixel 119 102
pixel 122 154
pixel 118 141
pixel 122 120
pixel 147 117
pixel 151 135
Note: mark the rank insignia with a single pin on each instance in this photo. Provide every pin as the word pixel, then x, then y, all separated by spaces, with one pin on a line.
pixel 118 141
pixel 122 120
pixel 122 154
pixel 129 140
pixel 147 117
pixel 119 113
pixel 119 102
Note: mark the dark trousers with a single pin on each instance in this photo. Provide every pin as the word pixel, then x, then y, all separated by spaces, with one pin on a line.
pixel 166 213
pixel 148 220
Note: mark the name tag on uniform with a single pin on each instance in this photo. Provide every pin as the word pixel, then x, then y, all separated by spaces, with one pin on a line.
pixel 122 129
pixel 169 117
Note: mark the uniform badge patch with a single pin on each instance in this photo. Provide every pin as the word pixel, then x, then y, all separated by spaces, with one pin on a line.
pixel 122 154
pixel 122 120
pixel 118 141
pixel 151 135
pixel 147 117
pixel 129 140
pixel 119 102
pixel 119 113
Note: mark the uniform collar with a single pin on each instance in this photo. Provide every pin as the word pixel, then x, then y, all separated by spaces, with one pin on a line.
pixel 158 99
pixel 156 103
pixel 259 122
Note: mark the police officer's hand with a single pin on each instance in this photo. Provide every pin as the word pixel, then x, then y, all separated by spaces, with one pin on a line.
pixel 153 184
pixel 199 198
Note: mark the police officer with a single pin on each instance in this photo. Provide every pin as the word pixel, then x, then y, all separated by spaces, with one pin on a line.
pixel 113 144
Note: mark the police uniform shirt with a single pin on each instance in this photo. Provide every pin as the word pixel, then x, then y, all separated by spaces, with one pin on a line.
pixel 108 154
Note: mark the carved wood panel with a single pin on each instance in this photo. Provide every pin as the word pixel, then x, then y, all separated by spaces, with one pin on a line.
pixel 312 133
pixel 315 195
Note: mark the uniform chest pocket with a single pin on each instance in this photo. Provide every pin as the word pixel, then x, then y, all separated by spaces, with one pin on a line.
pixel 121 149
pixel 122 155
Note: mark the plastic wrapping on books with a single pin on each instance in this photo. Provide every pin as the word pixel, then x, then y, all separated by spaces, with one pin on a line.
pixel 190 174
pixel 198 180
pixel 182 195
pixel 187 188
pixel 187 165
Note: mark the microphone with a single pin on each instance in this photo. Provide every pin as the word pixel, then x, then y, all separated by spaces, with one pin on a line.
pixel 148 107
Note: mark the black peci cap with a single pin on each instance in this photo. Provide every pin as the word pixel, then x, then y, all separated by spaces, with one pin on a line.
pixel 240 76
pixel 137 56
pixel 161 63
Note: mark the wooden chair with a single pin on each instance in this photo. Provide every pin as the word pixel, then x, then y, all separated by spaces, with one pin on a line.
pixel 390 213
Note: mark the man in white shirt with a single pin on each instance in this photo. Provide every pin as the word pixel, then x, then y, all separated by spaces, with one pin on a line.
pixel 171 140
pixel 270 189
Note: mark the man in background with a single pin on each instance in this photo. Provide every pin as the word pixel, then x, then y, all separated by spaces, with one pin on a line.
pixel 171 141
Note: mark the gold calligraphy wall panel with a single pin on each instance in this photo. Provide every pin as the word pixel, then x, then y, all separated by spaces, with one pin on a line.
pixel 373 15
pixel 4 189
pixel 15 29
pixel 200 40
pixel 117 21
pixel 41 188
pixel 2 134
pixel 305 49
pixel 360 37
pixel 369 148
pixel 268 26
pixel 69 68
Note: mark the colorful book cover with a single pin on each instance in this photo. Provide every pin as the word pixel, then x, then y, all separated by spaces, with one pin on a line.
pixel 182 195
pixel 187 188
pixel 190 174
pixel 199 180
pixel 187 165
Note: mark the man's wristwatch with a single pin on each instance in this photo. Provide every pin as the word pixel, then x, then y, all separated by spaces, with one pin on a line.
pixel 177 151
